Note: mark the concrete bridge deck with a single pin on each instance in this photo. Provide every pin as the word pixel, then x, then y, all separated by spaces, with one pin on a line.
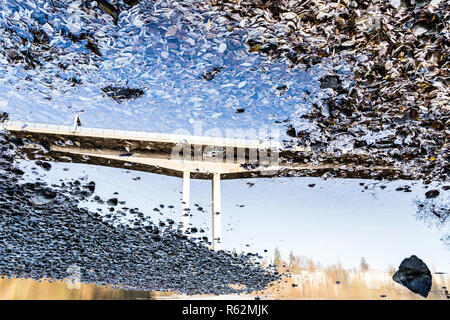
pixel 183 156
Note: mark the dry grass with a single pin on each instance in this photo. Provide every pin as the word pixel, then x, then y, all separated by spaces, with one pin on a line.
pixel 308 280
pixel 27 289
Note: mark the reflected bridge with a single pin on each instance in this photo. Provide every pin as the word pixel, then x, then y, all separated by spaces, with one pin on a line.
pixel 184 156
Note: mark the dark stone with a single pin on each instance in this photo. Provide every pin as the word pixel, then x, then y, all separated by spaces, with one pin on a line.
pixel 131 2
pixel 16 141
pixel 209 75
pixel 44 165
pixel 126 154
pixel 112 202
pixel 291 132
pixel 90 186
pixel 330 82
pixel 112 9
pixel 120 94
pixel 414 274
pixel 92 46
pixel 3 117
pixel 431 194
pixel 17 171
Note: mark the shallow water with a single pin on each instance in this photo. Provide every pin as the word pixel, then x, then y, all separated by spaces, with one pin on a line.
pixel 309 284
pixel 336 237
pixel 330 222
pixel 336 219
pixel 168 66
pixel 27 289
pixel 328 226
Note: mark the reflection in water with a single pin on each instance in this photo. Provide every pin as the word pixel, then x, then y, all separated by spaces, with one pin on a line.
pixel 305 279
pixel 27 289
pixel 190 76
pixel 342 284
pixel 308 280
pixel 323 219
pixel 183 74
pixel 434 210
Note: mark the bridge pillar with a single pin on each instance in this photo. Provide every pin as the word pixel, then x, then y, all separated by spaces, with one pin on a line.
pixel 185 209
pixel 216 213
pixel 76 122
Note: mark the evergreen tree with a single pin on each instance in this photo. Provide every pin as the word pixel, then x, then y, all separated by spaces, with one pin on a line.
pixel 364 265
pixel 291 260
pixel 277 257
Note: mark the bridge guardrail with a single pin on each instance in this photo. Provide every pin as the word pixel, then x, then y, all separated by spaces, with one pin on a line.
pixel 176 138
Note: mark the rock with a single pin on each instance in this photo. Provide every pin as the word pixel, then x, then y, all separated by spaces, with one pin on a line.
pixel 395 3
pixel 126 154
pixel 112 202
pixel 329 81
pixel 291 132
pixel 289 16
pixel 419 30
pixel 431 194
pixel 44 165
pixel 93 47
pixel 388 65
pixel 322 16
pixel 112 9
pixel 131 2
pixel 90 186
pixel 120 94
pixel 348 43
pixel 3 117
pixel 209 75
pixel 414 274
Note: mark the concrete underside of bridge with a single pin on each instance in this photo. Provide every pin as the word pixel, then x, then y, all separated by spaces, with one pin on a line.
pixel 157 157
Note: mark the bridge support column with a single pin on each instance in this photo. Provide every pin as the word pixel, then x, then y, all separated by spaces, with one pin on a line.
pixel 216 213
pixel 185 209
pixel 76 122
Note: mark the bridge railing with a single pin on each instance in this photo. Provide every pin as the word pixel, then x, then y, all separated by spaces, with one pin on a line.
pixel 175 138
pixel 35 125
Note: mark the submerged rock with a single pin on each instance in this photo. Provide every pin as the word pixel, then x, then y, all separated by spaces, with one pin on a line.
pixel 119 94
pixel 44 165
pixel 432 194
pixel 414 274
pixel 3 117
pixel 112 202
pixel 332 82
pixel 209 75
pixel 131 2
